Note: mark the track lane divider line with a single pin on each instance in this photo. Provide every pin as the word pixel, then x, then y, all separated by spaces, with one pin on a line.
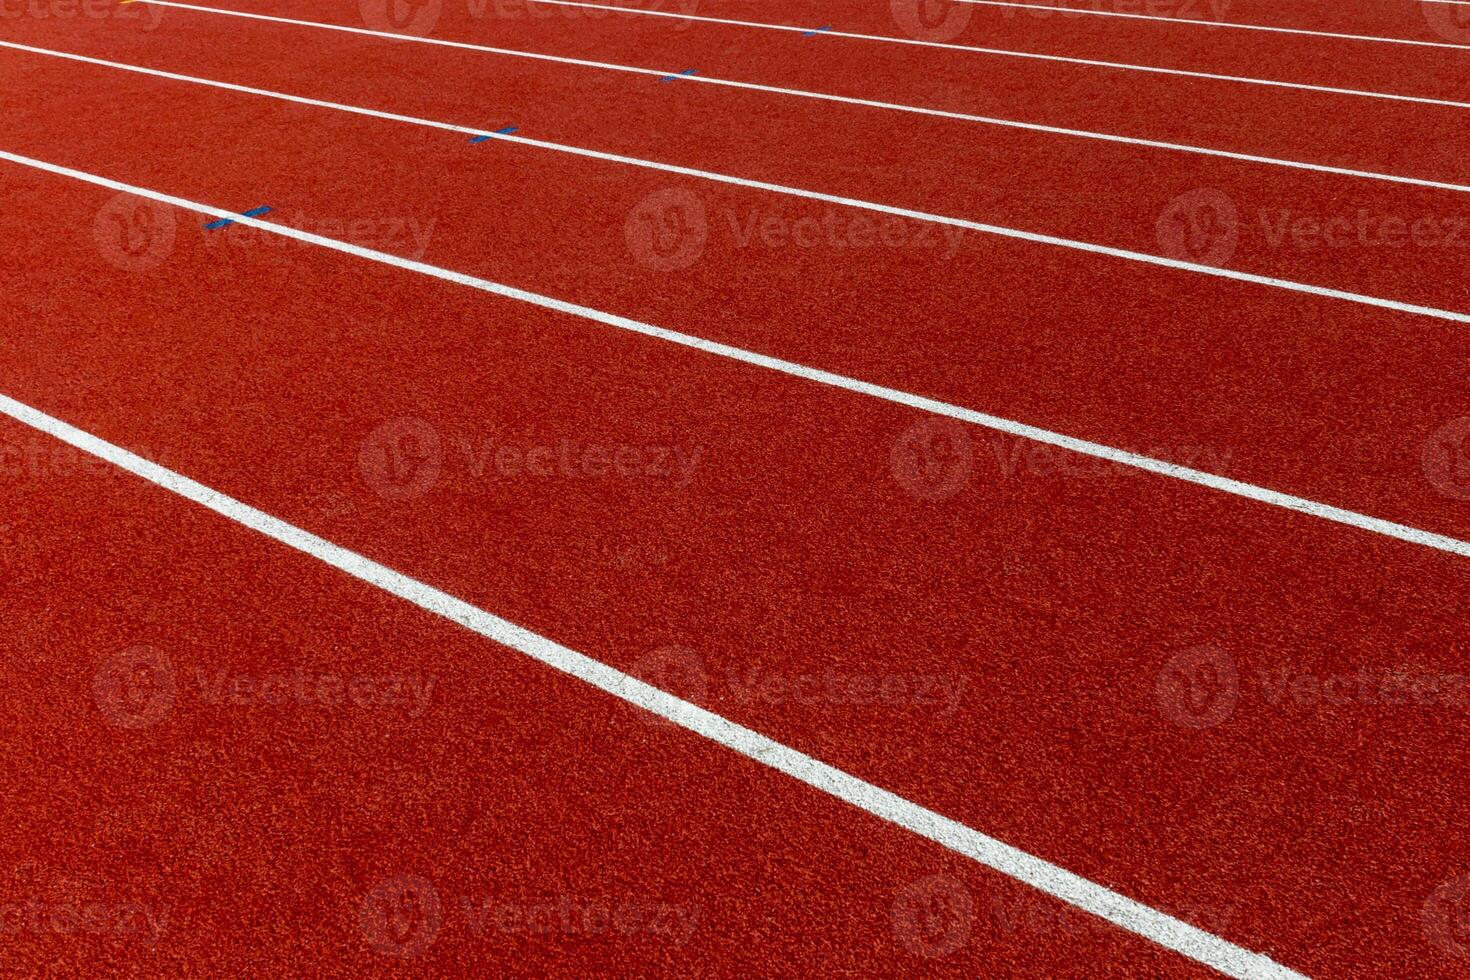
pixel 1225 24
pixel 999 231
pixel 226 222
pixel 1022 866
pixel 510 52
pixel 1263 495
pixel 826 97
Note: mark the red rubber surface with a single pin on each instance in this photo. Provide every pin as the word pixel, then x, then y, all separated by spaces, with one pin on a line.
pixel 1057 594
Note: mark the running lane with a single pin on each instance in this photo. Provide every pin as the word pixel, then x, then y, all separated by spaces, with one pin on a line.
pixel 1375 236
pixel 1026 331
pixel 227 757
pixel 1407 69
pixel 1004 635
pixel 1401 20
pixel 1411 139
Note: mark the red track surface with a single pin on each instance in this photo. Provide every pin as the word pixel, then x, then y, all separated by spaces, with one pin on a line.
pixel 1050 592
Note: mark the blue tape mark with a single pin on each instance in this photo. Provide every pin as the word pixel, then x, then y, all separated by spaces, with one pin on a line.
pixel 226 222
pixel 819 30
pixel 686 71
pixel 502 131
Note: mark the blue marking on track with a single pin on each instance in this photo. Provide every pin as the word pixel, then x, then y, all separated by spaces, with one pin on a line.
pixel 502 131
pixel 226 222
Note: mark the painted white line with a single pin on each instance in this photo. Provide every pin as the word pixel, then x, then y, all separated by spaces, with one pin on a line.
pixel 1189 941
pixel 1220 23
pixel 932 406
pixel 800 93
pixel 1006 53
pixel 849 202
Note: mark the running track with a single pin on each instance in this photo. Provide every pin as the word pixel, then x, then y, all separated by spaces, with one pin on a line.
pixel 1054 542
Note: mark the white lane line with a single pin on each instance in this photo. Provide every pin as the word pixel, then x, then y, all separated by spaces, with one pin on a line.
pixel 1185 939
pixel 1220 23
pixel 932 406
pixel 771 89
pixel 1006 53
pixel 999 231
